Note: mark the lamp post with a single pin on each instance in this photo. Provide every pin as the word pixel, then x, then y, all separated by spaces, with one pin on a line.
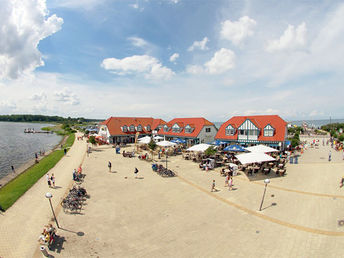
pixel 166 159
pixel 266 181
pixel 49 196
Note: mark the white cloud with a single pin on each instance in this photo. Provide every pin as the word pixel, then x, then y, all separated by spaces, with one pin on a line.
pixel 147 65
pixel 77 4
pixel 292 39
pixel 23 25
pixel 174 57
pixel 238 31
pixel 222 61
pixel 66 96
pixel 202 45
pixel 138 42
pixel 174 1
pixel 194 69
pixel 39 96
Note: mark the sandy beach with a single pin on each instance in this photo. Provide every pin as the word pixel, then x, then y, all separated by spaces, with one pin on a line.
pixel 154 216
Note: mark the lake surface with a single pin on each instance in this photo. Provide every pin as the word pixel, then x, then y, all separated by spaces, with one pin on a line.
pixel 17 147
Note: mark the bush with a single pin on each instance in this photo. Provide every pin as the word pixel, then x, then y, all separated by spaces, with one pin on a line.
pixel 92 140
pixel 210 151
pixel 341 137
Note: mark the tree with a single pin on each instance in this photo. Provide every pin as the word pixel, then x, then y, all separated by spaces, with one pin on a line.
pixel 210 151
pixel 152 145
pixel 92 140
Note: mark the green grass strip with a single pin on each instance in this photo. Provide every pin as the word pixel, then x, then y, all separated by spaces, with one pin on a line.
pixel 12 191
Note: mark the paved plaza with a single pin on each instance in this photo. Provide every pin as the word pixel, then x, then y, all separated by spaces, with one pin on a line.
pixel 152 216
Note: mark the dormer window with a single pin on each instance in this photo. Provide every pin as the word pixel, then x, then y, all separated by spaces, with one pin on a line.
pixel 166 128
pixel 124 128
pixel 230 130
pixel 269 130
pixel 148 128
pixel 188 129
pixel 175 128
pixel 132 128
pixel 139 128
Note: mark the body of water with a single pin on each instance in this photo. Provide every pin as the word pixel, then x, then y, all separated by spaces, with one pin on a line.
pixel 17 147
pixel 317 123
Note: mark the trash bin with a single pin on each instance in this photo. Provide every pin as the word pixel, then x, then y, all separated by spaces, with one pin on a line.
pixel 291 161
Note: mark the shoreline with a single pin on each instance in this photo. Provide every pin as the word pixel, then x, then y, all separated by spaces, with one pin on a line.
pixel 27 165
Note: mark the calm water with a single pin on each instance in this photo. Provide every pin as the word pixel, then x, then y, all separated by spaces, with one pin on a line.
pixel 17 147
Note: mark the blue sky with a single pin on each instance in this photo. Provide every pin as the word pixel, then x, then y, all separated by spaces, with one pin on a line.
pixel 172 58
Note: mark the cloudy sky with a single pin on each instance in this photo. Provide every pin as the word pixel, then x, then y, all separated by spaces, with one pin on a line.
pixel 172 58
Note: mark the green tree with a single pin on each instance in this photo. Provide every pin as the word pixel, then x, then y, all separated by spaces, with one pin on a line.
pixel 92 140
pixel 210 151
pixel 152 146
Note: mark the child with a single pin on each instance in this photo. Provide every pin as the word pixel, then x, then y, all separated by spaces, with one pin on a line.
pixel 230 184
pixel 213 186
pixel 136 171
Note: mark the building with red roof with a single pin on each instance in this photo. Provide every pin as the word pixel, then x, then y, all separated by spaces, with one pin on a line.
pixel 193 130
pixel 124 129
pixel 250 130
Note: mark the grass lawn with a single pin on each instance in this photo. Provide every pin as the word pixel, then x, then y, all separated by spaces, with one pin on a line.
pixel 18 186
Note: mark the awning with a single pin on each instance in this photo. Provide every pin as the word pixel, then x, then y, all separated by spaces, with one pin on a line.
pixel 261 148
pixel 199 147
pixel 254 157
pixel 234 148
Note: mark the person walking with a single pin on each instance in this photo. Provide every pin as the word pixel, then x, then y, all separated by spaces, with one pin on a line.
pixel 213 186
pixel 136 172
pixel 48 180
pixel 329 155
pixel 74 175
pixel 53 180
pixel 230 184
pixel 109 166
pixel 12 167
pixel 65 151
pixel 227 179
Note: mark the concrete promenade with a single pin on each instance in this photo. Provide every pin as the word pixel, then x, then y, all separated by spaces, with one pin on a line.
pixel 21 225
pixel 179 217
pixel 153 216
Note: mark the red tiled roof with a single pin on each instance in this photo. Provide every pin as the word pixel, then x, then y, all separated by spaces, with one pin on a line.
pixel 196 122
pixel 114 124
pixel 260 121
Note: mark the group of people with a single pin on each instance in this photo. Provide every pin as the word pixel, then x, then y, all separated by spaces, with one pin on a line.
pixel 228 183
pixel 51 180
pixel 48 235
pixel 77 174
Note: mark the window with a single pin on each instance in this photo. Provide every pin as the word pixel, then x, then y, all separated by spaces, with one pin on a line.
pixel 132 128
pixel 175 128
pixel 139 128
pixel 269 130
pixel 124 128
pixel 230 130
pixel 166 128
pixel 188 129
pixel 208 130
pixel 148 127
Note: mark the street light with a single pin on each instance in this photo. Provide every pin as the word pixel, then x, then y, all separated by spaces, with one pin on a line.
pixel 266 181
pixel 49 196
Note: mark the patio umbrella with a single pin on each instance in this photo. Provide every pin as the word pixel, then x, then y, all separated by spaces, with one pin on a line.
pixel 178 141
pixel 199 147
pixel 218 142
pixel 236 148
pixel 165 144
pixel 253 157
pixel 144 140
pixel 261 148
